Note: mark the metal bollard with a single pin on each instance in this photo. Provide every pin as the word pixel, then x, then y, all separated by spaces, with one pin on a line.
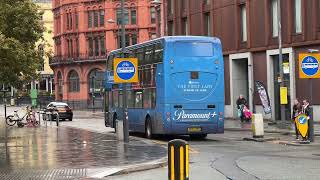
pixel 178 160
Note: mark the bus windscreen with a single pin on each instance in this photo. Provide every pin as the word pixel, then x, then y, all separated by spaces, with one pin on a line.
pixel 193 49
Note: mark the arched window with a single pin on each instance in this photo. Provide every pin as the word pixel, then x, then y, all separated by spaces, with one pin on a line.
pixel 60 83
pixel 74 83
pixel 95 81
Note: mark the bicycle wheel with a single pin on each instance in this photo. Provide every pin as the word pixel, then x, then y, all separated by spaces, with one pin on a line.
pixel 10 121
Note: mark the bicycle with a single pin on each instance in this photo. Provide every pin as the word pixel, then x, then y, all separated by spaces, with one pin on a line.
pixel 15 119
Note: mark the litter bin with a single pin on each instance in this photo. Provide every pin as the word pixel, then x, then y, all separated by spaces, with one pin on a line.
pixel 257 126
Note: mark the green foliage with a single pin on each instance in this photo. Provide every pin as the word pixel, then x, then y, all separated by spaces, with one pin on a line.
pixel 20 29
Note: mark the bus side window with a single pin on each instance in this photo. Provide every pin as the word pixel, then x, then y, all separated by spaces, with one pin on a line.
pixel 147 99
pixel 130 98
pixel 149 52
pixel 138 99
pixel 140 56
pixel 115 97
pixel 158 53
pixel 153 97
pixel 110 62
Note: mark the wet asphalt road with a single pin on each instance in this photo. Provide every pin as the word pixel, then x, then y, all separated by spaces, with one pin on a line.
pixel 227 156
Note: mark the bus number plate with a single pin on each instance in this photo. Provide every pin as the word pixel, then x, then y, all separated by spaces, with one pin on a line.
pixel 194 129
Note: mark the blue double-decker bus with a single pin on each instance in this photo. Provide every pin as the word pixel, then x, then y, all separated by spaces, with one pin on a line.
pixel 180 89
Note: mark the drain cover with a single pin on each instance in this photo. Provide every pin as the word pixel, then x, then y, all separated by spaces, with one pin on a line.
pixel 56 174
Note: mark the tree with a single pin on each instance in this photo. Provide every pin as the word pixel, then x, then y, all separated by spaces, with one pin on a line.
pixel 20 29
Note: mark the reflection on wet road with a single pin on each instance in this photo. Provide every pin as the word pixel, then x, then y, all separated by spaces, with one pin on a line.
pixel 58 148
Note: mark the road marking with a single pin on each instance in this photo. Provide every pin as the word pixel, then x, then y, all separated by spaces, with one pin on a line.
pixel 191 150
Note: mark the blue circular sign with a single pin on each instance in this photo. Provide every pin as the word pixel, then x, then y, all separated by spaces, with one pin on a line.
pixel 302 119
pixel 125 70
pixel 310 66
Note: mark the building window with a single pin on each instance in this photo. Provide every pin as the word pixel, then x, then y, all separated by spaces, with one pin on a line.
pixel 184 26
pixel 102 46
pixel 170 6
pixel 153 15
pixel 70 47
pixel 243 16
pixel 95 81
pixel 170 28
pixel 207 24
pixel 183 5
pixel 134 39
pixel 101 18
pixel 275 20
pixel 96 46
pixel 77 47
pixel 77 20
pixel 133 16
pixel 126 16
pixel 74 84
pixel 69 21
pixel 127 39
pixel 89 19
pixel 90 46
pixel 298 18
pixel 153 36
pixel 95 18
pixel 206 2
pixel 60 83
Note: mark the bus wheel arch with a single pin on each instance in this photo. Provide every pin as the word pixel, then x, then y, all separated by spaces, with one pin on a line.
pixel 148 127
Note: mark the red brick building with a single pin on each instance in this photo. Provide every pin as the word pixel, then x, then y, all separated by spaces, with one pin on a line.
pixel 84 32
pixel 248 30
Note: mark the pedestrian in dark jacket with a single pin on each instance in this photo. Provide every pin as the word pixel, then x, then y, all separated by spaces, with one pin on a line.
pixel 241 102
pixel 296 110
pixel 307 110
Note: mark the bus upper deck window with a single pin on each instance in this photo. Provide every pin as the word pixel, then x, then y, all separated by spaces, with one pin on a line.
pixel 194 75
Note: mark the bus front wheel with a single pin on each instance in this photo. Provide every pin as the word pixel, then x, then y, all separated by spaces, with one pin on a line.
pixel 148 131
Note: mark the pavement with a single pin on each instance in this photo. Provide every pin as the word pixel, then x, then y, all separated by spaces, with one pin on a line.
pixel 82 148
pixel 269 127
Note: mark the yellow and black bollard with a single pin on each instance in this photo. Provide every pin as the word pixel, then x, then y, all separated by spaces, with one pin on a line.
pixel 178 160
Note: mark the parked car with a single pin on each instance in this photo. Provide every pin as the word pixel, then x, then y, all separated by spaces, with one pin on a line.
pixel 63 109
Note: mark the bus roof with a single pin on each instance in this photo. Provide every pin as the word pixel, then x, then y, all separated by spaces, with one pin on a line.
pixel 169 39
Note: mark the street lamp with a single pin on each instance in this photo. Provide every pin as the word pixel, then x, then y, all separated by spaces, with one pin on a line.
pixel 157 5
pixel 124 87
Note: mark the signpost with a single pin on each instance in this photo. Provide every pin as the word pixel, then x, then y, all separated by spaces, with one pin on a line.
pixel 125 71
pixel 309 69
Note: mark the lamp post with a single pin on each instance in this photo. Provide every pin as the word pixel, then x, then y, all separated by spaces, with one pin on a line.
pixel 157 5
pixel 124 86
pixel 281 81
pixel 93 91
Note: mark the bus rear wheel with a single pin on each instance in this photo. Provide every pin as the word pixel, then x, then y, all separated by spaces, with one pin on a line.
pixel 198 136
pixel 148 131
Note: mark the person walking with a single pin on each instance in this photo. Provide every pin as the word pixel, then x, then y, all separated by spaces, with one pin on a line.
pixel 241 102
pixel 296 110
pixel 306 109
